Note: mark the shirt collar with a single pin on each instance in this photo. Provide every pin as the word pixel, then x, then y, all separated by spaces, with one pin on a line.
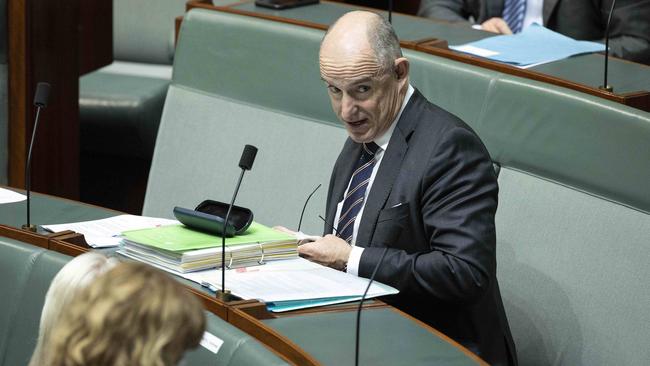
pixel 382 141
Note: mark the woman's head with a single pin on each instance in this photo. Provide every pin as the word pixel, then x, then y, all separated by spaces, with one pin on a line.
pixel 74 276
pixel 131 315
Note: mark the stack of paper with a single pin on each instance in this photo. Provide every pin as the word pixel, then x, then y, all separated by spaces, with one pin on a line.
pixel 535 45
pixel 181 250
pixel 105 232
pixel 292 284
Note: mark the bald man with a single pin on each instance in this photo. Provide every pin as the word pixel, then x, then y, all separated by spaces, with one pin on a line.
pixel 411 164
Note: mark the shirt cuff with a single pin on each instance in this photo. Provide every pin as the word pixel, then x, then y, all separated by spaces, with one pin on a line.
pixel 353 261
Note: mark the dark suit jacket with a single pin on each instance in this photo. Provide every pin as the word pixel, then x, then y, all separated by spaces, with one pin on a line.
pixel 444 262
pixel 579 19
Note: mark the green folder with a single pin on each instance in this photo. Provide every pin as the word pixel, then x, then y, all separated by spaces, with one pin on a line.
pixel 178 238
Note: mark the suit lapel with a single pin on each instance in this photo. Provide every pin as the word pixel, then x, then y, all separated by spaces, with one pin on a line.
pixel 388 170
pixel 345 166
pixel 547 10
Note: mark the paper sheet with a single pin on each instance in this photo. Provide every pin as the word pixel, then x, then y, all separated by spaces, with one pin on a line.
pixel 9 196
pixel 290 280
pixel 533 46
pixel 105 232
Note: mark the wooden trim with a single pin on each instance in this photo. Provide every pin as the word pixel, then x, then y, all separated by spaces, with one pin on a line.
pixel 269 337
pixel 442 336
pixel 639 99
pixel 25 236
pixel 17 82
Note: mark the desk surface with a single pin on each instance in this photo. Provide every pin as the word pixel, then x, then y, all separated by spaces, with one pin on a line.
pixel 583 73
pixel 332 344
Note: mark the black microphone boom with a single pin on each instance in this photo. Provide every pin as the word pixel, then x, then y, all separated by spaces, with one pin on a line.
pixel 606 86
pixel 40 101
pixel 391 237
pixel 245 163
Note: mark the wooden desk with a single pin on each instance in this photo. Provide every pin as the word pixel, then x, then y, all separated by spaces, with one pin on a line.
pixel 631 81
pixel 295 336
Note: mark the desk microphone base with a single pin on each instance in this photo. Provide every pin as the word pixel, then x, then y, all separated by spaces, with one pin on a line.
pixel 226 296
pixel 31 228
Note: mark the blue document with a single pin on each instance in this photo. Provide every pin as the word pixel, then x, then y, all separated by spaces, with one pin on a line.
pixel 534 45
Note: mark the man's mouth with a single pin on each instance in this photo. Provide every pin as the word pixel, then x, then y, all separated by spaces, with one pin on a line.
pixel 356 123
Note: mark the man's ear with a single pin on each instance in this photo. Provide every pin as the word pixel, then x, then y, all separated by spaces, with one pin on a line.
pixel 401 68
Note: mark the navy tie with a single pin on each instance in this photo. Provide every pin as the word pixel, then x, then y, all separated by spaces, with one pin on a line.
pixel 513 14
pixel 356 193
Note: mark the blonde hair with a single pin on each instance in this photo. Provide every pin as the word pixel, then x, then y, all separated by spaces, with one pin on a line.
pixel 131 315
pixel 74 276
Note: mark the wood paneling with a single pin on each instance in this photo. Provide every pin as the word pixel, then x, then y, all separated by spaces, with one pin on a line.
pixel 45 44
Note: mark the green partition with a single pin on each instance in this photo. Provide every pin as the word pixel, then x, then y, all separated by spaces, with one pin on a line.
pixel 575 139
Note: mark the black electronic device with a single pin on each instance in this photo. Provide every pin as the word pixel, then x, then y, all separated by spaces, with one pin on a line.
pixel 41 96
pixel 210 216
pixel 284 4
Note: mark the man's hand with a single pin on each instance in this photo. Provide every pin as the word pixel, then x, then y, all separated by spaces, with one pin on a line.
pixel 329 251
pixel 496 25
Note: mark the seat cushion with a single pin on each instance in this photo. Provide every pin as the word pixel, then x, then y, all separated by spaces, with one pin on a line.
pixel 120 113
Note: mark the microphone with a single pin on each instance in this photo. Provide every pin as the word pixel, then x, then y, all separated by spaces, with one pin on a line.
pixel 390 11
pixel 245 163
pixel 606 86
pixel 305 205
pixel 391 237
pixel 40 101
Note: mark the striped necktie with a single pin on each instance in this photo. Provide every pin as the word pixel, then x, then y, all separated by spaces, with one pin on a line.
pixel 356 193
pixel 513 14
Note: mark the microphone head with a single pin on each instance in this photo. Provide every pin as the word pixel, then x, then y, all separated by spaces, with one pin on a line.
pixel 247 157
pixel 42 94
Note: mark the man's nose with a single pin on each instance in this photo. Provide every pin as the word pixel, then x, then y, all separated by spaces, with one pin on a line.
pixel 348 108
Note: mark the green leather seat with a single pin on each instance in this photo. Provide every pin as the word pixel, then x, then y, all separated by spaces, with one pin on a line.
pixel 25 275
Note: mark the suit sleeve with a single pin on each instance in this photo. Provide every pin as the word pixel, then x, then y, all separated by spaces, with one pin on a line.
pixel 630 29
pixel 450 10
pixel 458 205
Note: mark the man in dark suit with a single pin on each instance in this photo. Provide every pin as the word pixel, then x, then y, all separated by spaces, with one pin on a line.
pixel 411 164
pixel 578 19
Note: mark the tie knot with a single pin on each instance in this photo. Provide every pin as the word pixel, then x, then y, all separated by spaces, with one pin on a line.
pixel 370 148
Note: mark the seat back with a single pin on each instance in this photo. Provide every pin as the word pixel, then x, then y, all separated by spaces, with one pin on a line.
pixel 143 30
pixel 26 272
pixel 238 348
pixel 223 96
pixel 572 223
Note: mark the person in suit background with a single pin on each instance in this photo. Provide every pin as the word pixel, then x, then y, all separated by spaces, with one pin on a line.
pixel 409 163
pixel 131 315
pixel 68 282
pixel 578 19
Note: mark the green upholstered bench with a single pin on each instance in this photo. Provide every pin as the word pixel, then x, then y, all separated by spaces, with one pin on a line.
pixel 572 224
pixel 120 105
pixel 25 275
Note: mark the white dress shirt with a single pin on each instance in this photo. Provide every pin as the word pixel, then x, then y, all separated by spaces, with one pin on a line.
pixel 382 141
pixel 533 13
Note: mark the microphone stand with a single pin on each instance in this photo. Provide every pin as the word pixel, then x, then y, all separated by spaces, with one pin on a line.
pixel 606 86
pixel 245 163
pixel 40 101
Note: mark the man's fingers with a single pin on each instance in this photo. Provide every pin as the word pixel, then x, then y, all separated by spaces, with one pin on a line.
pixel 496 25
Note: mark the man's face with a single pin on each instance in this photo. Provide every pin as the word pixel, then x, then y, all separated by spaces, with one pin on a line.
pixel 366 104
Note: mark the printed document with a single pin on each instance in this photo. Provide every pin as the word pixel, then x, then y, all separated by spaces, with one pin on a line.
pixel 9 196
pixel 105 232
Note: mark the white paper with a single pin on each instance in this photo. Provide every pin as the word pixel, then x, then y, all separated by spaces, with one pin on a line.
pixel 105 232
pixel 287 280
pixel 211 342
pixel 9 196
pixel 475 50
